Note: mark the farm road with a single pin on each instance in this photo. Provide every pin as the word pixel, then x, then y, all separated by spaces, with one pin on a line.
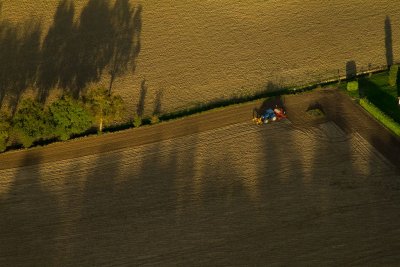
pixel 336 105
pixel 131 138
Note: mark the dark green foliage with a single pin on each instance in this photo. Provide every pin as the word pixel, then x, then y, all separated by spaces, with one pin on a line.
pixel 105 107
pixel 68 117
pixel 30 122
pixel 393 75
pixel 4 131
pixel 380 94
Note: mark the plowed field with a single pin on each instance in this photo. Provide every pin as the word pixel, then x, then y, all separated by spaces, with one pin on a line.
pixel 211 189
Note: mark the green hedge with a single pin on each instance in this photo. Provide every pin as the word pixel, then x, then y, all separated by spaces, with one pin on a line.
pixel 380 116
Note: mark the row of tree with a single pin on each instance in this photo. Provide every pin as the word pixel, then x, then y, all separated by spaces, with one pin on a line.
pixel 63 119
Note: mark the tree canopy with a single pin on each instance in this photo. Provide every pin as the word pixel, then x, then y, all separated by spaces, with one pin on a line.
pixel 4 131
pixel 30 122
pixel 68 117
pixel 105 107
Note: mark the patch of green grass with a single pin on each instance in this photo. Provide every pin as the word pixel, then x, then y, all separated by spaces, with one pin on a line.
pixel 381 116
pixel 352 86
pixel 316 113
pixel 343 85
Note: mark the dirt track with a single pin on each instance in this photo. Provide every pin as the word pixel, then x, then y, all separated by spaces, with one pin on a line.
pixel 337 106
pixel 211 189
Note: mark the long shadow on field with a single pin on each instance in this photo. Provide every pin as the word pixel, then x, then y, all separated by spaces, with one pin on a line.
pixel 58 63
pixel 351 69
pixel 77 53
pixel 350 185
pixel 93 52
pixel 126 42
pixel 29 221
pixel 110 38
pixel 388 42
pixel 158 102
pixel 163 196
pixel 73 53
pixel 142 98
pixel 102 221
pixel 306 177
pixel 155 198
pixel 389 146
pixel 19 57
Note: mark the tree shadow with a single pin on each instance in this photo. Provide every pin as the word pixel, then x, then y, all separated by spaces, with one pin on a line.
pixel 157 103
pixel 270 103
pixel 58 64
pixel 142 98
pixel 137 44
pixel 29 222
pixel 351 69
pixel 388 42
pixel 272 87
pixel 389 146
pixel 76 54
pixel 19 57
pixel 93 52
pixel 101 213
pixel 125 45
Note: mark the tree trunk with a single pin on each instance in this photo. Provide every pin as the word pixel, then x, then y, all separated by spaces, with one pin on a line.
pixel 101 125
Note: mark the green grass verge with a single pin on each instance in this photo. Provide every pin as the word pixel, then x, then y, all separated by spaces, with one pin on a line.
pixel 380 116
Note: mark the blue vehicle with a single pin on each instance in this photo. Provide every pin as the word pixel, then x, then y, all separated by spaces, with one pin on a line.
pixel 269 115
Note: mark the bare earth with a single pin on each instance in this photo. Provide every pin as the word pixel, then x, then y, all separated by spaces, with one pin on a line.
pixel 196 51
pixel 211 189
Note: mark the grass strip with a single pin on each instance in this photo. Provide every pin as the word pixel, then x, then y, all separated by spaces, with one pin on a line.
pixel 387 121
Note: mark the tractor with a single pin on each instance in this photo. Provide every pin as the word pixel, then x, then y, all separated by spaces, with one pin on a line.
pixel 271 110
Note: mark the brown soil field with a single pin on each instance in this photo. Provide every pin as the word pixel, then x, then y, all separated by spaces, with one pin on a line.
pixel 196 51
pixel 211 189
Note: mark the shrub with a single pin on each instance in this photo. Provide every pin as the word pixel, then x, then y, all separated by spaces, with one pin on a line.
pixel 68 117
pixel 30 122
pixel 137 120
pixel 393 75
pixel 352 86
pixel 154 119
pixel 4 131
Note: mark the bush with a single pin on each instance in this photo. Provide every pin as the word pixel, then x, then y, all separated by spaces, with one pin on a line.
pixel 4 131
pixel 352 86
pixel 393 75
pixel 154 119
pixel 137 120
pixel 68 117
pixel 30 122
